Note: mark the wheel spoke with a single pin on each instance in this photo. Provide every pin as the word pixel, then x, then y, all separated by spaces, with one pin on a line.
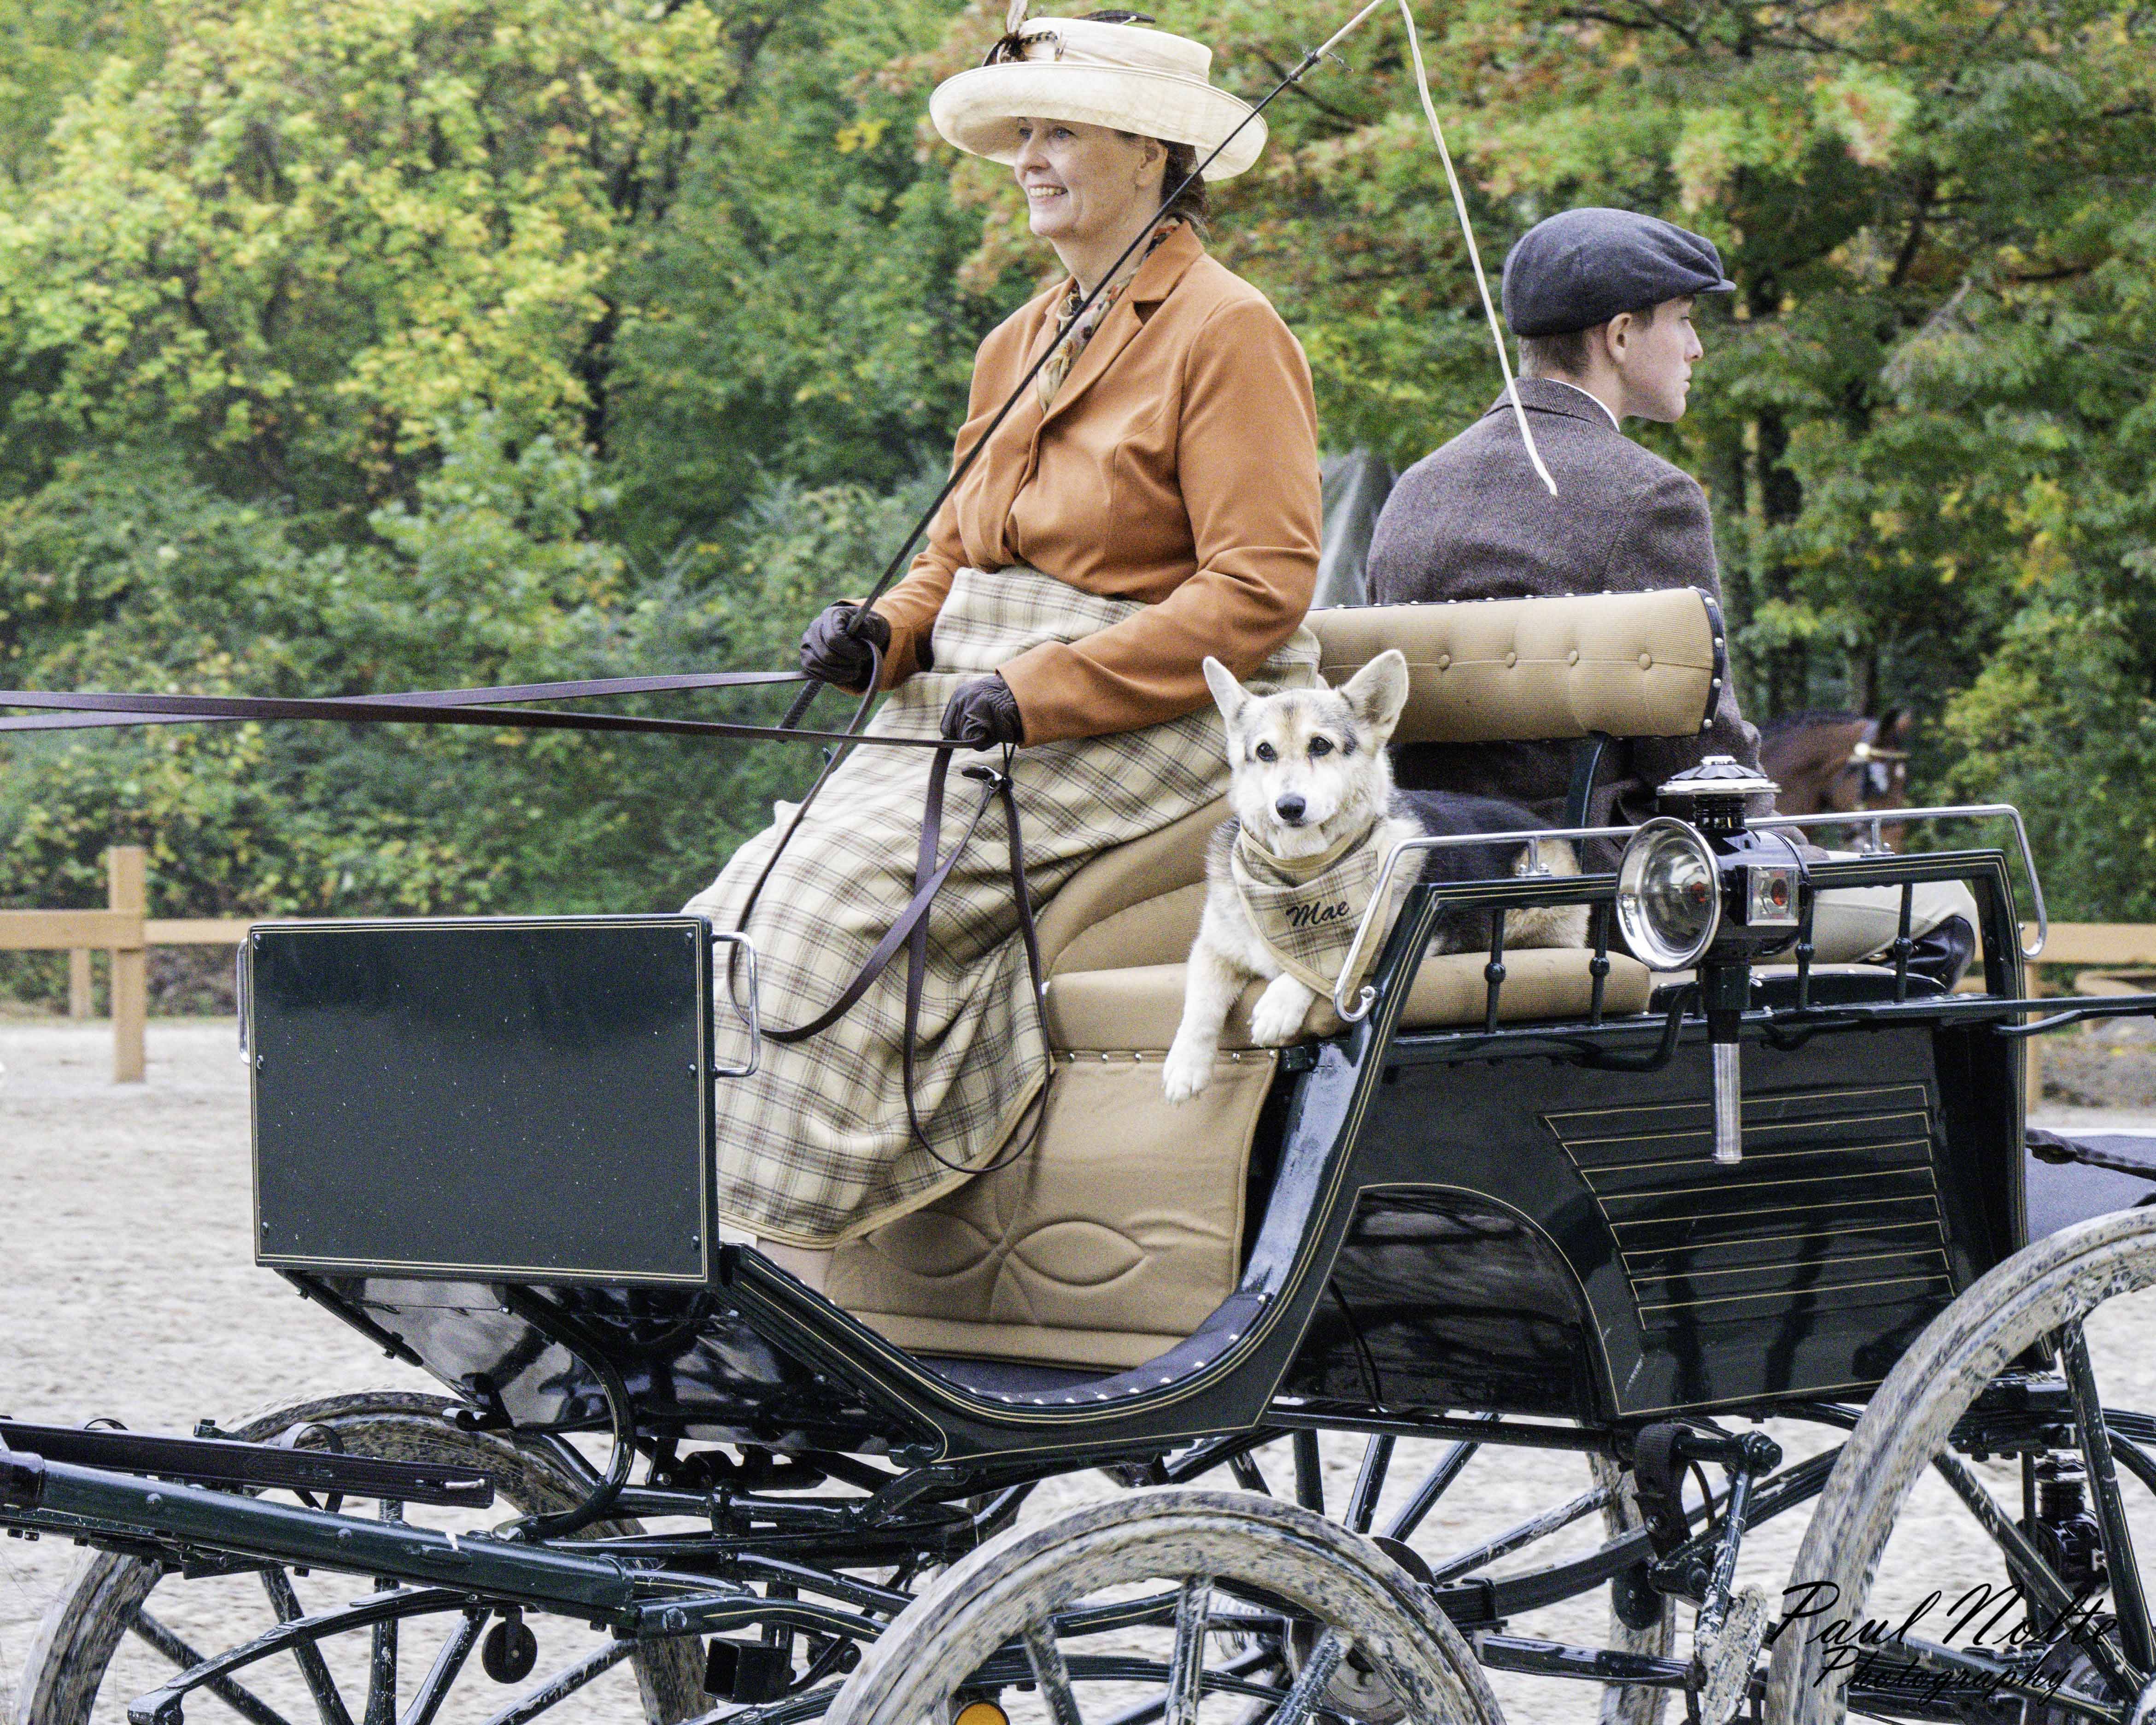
pixel 434 1689
pixel 329 1703
pixel 1309 1472
pixel 1231 1679
pixel 1314 1679
pixel 1417 1508
pixel 1186 1667
pixel 382 1676
pixel 563 1684
pixel 2128 1600
pixel 2136 1460
pixel 241 1700
pixel 1526 1533
pixel 1046 1658
pixel 1370 1483
pixel 2025 1566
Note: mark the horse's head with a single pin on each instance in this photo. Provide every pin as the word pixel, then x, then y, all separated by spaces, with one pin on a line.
pixel 1879 759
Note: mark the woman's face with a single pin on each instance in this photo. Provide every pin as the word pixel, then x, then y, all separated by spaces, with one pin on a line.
pixel 1085 183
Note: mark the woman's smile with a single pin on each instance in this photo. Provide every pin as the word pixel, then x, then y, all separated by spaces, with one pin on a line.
pixel 1088 188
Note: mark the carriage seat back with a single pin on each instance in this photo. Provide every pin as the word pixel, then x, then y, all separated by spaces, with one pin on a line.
pixel 1543 669
pixel 1496 671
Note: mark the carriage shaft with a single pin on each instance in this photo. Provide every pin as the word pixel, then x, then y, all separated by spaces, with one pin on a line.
pixel 84 1501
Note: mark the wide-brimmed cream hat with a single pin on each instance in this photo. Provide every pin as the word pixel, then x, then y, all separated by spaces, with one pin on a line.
pixel 1093 73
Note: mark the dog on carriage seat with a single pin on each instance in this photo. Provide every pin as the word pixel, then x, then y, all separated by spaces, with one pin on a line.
pixel 1287 876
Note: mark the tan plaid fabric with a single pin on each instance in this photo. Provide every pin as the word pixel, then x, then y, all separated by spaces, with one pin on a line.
pixel 1306 909
pixel 815 1149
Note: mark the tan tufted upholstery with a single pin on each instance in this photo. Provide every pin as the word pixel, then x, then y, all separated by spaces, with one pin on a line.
pixel 1122 1230
pixel 1114 1239
pixel 1535 671
pixel 1107 1245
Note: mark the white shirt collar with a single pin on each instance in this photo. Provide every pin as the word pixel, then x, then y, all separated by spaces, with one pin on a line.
pixel 1590 395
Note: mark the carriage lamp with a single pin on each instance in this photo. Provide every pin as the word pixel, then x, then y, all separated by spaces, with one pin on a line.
pixel 1697 887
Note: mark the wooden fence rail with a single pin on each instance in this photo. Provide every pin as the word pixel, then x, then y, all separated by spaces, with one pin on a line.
pixel 125 931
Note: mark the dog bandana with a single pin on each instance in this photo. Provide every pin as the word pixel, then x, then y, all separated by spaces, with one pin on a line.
pixel 1306 909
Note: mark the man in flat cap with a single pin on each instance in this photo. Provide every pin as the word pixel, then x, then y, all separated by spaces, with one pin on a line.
pixel 1601 300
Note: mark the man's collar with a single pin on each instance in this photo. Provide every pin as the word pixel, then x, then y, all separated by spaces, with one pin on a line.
pixel 1548 395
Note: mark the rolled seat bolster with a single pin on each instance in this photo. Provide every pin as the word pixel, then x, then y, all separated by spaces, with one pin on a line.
pixel 1138 1008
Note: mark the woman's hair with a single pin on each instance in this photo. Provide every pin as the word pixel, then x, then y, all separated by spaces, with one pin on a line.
pixel 1192 203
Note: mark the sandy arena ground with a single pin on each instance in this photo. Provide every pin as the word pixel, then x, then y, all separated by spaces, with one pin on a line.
pixel 126 1290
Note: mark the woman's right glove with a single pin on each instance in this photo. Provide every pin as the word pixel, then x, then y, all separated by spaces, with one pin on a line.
pixel 834 648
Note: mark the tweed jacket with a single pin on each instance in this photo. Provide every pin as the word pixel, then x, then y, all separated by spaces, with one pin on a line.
pixel 1178 466
pixel 1473 521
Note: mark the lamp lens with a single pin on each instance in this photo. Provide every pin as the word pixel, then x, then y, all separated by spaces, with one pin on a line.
pixel 1668 895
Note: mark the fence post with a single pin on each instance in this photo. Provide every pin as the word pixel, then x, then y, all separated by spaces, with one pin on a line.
pixel 79 992
pixel 126 867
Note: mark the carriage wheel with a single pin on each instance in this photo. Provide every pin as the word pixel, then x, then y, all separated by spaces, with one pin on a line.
pixel 122 1626
pixel 2043 1295
pixel 1179 1604
pixel 1619 1509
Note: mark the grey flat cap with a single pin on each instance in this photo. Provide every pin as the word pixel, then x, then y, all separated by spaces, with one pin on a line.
pixel 1582 267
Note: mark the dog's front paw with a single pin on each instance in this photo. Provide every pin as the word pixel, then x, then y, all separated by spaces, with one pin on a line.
pixel 1277 1017
pixel 1187 1069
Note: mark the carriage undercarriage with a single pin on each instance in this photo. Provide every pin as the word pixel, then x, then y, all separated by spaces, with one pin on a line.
pixel 1469 1229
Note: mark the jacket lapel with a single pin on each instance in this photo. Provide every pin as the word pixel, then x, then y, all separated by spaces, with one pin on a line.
pixel 1156 278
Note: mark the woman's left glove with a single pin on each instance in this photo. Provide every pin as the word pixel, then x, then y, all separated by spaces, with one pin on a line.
pixel 982 714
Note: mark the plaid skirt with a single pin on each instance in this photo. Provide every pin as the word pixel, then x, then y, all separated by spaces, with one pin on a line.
pixel 815 1149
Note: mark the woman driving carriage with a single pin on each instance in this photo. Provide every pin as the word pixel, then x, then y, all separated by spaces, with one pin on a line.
pixel 1152 499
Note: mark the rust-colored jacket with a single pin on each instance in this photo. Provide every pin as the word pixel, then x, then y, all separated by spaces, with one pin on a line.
pixel 1178 465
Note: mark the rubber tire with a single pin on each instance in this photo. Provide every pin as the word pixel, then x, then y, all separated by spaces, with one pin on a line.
pixel 1028 1572
pixel 1632 1704
pixel 2059 1279
pixel 84 1624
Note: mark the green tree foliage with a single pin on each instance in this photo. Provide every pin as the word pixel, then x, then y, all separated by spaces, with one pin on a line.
pixel 381 343
pixel 1925 417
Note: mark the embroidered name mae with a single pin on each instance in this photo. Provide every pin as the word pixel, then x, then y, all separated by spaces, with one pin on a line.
pixel 1315 915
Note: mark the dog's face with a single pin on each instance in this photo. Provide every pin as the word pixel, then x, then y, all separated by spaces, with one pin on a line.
pixel 1309 763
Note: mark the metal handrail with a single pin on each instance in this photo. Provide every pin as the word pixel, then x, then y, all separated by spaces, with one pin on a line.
pixel 1376 912
pixel 1876 818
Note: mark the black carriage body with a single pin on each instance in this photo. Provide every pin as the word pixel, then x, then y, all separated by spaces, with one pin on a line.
pixel 1490 1222
pixel 1541 1238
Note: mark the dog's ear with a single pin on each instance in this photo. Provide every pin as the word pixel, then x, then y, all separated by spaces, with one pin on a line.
pixel 1231 696
pixel 1378 691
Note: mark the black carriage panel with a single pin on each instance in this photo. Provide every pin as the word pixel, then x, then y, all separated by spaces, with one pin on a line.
pixel 1857 1213
pixel 524 1100
pixel 1450 1299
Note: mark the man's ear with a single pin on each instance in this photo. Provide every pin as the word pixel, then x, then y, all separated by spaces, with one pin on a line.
pixel 1378 691
pixel 1231 696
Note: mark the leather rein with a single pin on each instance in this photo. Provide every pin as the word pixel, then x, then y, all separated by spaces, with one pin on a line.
pixel 498 708
pixel 501 708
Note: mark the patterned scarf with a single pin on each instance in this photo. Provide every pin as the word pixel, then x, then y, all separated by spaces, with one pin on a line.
pixel 1050 376
pixel 1305 909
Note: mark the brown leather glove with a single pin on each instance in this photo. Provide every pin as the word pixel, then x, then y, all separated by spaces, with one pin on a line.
pixel 982 714
pixel 834 648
